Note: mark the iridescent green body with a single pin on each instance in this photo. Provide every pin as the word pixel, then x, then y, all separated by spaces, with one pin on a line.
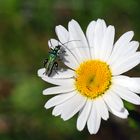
pixel 51 63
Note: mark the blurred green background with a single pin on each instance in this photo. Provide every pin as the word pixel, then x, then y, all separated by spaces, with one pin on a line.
pixel 25 27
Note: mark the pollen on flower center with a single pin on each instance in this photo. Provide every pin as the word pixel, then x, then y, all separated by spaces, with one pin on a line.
pixel 93 78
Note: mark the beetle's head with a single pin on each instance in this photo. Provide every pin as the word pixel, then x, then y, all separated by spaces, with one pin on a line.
pixel 57 47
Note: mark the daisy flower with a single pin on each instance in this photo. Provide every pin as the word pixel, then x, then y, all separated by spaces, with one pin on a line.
pixel 93 84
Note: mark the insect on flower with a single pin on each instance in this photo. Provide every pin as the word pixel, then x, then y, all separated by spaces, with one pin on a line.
pixel 93 83
pixel 55 54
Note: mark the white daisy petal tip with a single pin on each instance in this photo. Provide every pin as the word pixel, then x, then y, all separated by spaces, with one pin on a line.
pixel 131 32
pixel 59 28
pixel 73 20
pixel 56 114
pixel 56 27
pixel 137 101
pixel 123 114
pixel 83 115
pixel 137 43
pixel 100 20
pixel 64 119
pixel 106 119
pixel 112 28
pixel 40 72
pixel 44 93
pixel 135 84
pixel 52 43
pixel 47 106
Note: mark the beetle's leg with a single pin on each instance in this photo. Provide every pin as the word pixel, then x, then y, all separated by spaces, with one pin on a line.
pixel 55 66
pixel 50 71
pixel 45 62
pixel 51 50
pixel 44 73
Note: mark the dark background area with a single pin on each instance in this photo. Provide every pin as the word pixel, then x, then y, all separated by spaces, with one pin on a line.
pixel 25 27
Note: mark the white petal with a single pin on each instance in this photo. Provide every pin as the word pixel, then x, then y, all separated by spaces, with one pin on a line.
pixel 59 81
pixel 135 84
pixel 120 46
pixel 83 115
pixel 57 110
pixel 64 73
pixel 90 33
pixel 132 84
pixel 72 52
pixel 40 72
pixel 59 99
pixel 72 106
pixel 123 40
pixel 98 38
pixel 107 43
pixel 55 81
pixel 126 37
pixel 124 59
pixel 122 114
pixel 62 34
pixel 77 34
pixel 134 45
pixel 98 119
pixel 126 94
pixel 70 59
pixel 112 100
pixel 126 64
pixel 130 49
pixel 94 120
pixel 102 108
pixel 58 89
pixel 52 43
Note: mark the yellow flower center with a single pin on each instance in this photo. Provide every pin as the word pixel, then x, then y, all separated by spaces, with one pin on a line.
pixel 93 78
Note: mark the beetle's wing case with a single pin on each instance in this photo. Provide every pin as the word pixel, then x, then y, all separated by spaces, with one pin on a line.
pixel 49 66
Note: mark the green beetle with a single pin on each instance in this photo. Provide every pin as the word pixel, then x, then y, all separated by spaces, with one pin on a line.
pixel 50 63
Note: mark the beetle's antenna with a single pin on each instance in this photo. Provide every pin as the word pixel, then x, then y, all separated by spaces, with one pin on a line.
pixel 68 42
pixel 63 44
pixel 51 43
